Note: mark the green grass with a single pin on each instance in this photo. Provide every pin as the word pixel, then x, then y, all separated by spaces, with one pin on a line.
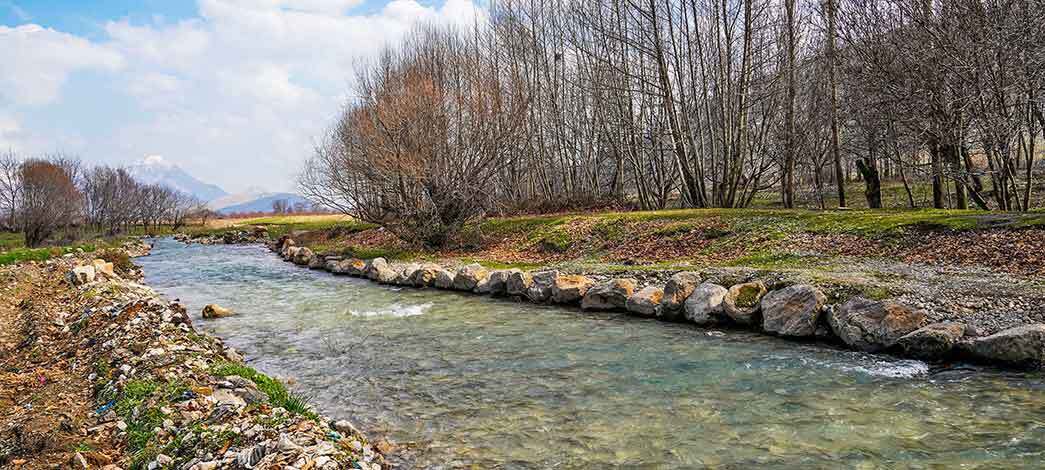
pixel 277 392
pixel 17 255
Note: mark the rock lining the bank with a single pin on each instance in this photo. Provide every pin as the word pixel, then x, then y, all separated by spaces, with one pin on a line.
pixel 798 311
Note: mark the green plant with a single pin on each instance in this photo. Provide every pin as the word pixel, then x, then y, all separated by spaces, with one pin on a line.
pixel 277 392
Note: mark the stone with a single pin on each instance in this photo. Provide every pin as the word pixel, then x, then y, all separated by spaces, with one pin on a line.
pixel 570 288
pixel 405 277
pixel 645 302
pixel 518 283
pixel 425 275
pixel 468 277
pixel 1022 346
pixel 540 289
pixel 81 275
pixel 226 397
pixel 935 341
pixel 741 303
pixel 496 283
pixel 216 311
pixel 302 256
pixel 334 266
pixel 346 427
pixel 379 270
pixel 444 279
pixel 792 311
pixel 676 291
pixel 611 295
pixel 102 267
pixel 354 267
pixel 873 326
pixel 704 305
pixel 316 262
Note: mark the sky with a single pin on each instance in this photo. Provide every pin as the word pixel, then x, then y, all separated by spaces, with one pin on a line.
pixel 236 92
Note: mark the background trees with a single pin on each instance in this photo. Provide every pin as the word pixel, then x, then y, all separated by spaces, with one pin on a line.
pixel 53 196
pixel 560 104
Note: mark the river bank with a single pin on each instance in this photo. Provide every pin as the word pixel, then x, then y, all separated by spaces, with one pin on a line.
pixel 754 301
pixel 100 371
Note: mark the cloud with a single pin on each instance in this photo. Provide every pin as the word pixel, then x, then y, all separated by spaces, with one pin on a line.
pixel 37 61
pixel 236 96
pixel 10 129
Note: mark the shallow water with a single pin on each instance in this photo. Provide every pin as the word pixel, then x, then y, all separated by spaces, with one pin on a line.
pixel 466 381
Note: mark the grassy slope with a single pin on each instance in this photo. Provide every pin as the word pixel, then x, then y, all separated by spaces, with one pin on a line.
pixel 757 238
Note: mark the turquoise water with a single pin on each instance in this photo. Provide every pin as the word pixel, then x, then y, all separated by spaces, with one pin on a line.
pixel 461 381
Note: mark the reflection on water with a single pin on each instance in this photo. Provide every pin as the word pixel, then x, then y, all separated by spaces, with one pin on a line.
pixel 466 381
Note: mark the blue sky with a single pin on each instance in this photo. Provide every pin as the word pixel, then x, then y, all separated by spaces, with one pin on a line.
pixel 236 92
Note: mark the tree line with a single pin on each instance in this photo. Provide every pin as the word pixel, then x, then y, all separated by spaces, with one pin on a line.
pixel 561 104
pixel 49 196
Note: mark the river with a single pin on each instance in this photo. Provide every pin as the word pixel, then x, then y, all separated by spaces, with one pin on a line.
pixel 462 381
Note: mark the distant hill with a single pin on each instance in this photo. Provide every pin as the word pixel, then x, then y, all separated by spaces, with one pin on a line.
pixel 155 170
pixel 263 203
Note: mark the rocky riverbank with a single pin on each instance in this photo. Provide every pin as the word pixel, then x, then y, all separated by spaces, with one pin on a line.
pixel 770 305
pixel 100 371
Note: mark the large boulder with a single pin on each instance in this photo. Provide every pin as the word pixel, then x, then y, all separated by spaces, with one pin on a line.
pixel 284 245
pixel 872 326
pixel 704 305
pixel 1022 346
pixel 518 283
pixel 425 275
pixel 290 252
pixel 468 277
pixel 792 311
pixel 540 289
pixel 333 266
pixel 379 270
pixel 570 288
pixel 676 291
pixel 405 276
pixel 216 311
pixel 444 279
pixel 645 302
pixel 496 283
pixel 353 267
pixel 934 341
pixel 317 262
pixel 302 256
pixel 611 295
pixel 81 275
pixel 741 303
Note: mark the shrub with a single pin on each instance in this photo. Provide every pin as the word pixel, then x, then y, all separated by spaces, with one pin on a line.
pixel 121 262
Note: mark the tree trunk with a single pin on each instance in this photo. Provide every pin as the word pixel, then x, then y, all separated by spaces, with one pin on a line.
pixel 873 181
pixel 832 76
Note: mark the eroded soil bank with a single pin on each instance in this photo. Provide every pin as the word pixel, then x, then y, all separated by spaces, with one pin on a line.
pixel 99 371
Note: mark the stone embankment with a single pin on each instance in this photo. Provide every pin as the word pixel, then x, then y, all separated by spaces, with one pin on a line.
pixel 257 234
pixel 159 393
pixel 800 312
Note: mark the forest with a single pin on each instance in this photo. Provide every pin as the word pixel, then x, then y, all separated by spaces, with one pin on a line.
pixel 55 198
pixel 559 105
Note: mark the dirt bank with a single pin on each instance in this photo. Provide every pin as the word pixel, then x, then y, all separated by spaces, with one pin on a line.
pixel 108 374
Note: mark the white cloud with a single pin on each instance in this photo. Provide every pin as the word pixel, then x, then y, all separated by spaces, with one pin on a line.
pixel 37 61
pixel 236 96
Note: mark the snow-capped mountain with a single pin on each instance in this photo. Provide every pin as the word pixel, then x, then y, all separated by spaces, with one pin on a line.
pixel 155 170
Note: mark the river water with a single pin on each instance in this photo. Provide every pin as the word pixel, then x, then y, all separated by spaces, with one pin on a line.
pixel 461 381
